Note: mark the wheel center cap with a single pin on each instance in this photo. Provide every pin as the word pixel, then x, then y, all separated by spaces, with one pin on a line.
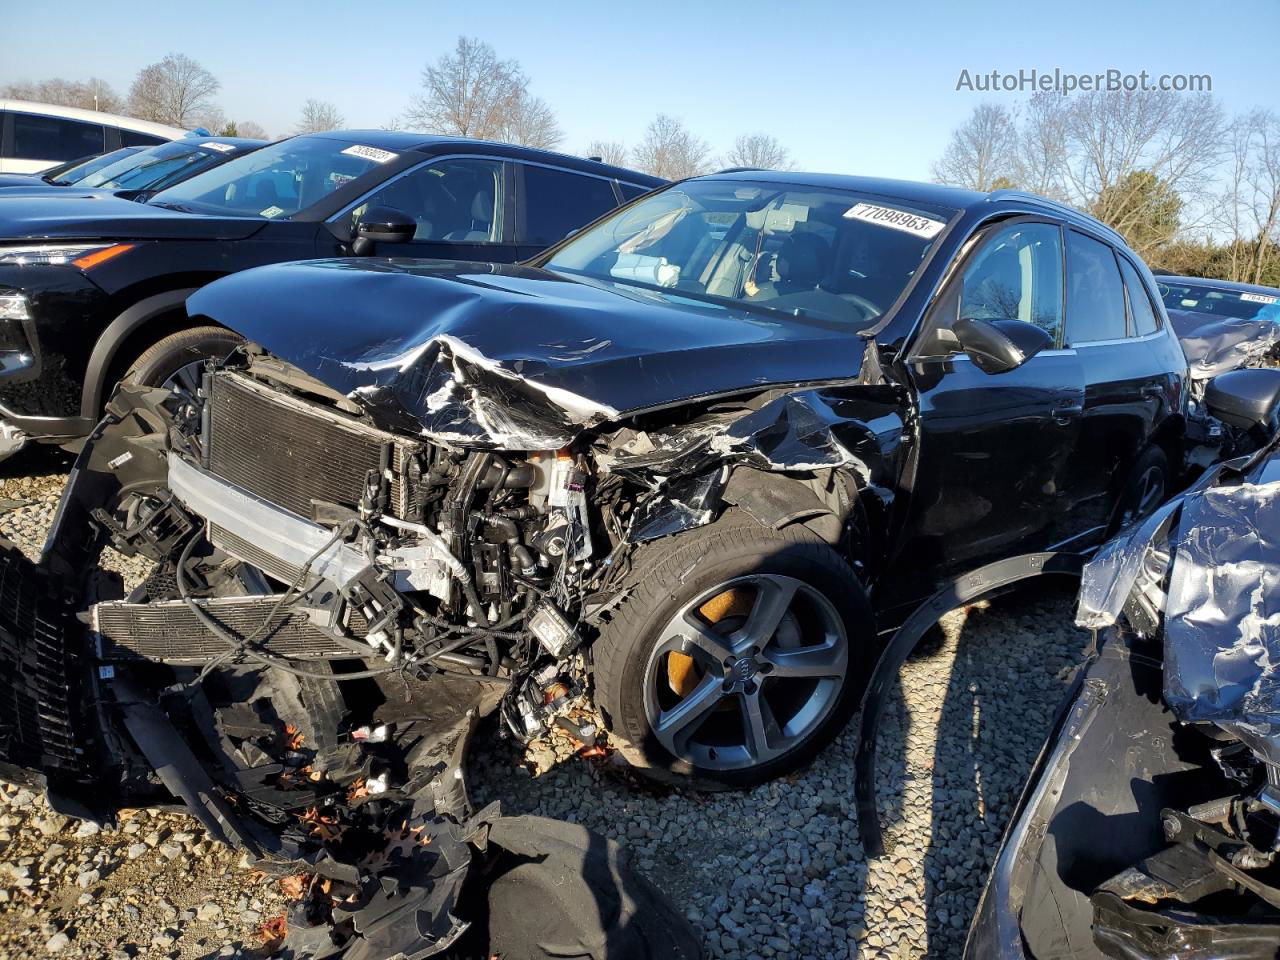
pixel 744 669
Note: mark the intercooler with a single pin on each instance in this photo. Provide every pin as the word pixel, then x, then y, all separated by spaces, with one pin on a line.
pixel 170 632
pixel 291 452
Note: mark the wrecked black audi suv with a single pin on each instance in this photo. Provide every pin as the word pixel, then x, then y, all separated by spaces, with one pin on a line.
pixel 1150 827
pixel 686 467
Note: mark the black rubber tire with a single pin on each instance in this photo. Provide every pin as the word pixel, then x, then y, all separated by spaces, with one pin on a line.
pixel 165 357
pixel 684 566
pixel 1127 511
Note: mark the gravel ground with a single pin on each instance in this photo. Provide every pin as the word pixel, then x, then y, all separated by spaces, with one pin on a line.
pixel 775 872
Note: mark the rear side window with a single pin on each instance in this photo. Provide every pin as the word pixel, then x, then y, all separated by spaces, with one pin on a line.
pixel 131 138
pixel 1144 314
pixel 630 191
pixel 1095 295
pixel 55 138
pixel 556 202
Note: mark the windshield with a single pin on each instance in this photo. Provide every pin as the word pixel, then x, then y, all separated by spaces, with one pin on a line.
pixel 77 170
pixel 1213 302
pixel 159 166
pixel 276 181
pixel 806 251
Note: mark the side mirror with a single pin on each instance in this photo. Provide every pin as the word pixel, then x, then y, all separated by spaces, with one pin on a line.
pixel 1249 399
pixel 382 225
pixel 997 346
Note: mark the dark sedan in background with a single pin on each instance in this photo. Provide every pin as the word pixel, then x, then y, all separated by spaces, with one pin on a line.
pixel 66 174
pixel 140 173
pixel 94 287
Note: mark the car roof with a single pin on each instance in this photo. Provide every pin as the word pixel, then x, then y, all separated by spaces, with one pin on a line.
pixel 913 191
pixel 244 143
pixel 1232 285
pixel 401 141
pixel 94 116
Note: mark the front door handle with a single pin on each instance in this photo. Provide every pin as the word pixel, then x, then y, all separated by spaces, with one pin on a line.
pixel 1064 413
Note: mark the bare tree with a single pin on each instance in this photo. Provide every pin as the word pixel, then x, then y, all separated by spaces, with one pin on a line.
pixel 1041 151
pixel 319 116
pixel 177 90
pixel 532 123
pixel 758 150
pixel 981 151
pixel 1248 210
pixel 472 93
pixel 669 150
pixel 1109 136
pixel 255 131
pixel 91 94
pixel 609 151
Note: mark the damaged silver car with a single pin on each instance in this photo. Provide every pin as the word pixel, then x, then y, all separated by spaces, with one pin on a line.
pixel 1150 828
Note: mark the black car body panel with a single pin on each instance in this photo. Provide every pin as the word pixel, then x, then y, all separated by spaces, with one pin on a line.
pixel 105 217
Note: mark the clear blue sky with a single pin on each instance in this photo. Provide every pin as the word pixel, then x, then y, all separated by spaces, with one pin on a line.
pixel 848 87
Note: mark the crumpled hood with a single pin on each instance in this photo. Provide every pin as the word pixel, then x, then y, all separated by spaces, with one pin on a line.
pixel 1215 346
pixel 67 214
pixel 503 354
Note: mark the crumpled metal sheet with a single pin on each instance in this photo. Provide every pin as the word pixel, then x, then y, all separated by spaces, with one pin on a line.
pixel 1222 618
pixel 1221 607
pixel 1230 343
pixel 509 356
pixel 803 431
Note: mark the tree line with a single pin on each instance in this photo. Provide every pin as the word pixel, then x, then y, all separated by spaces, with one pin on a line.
pixel 1193 190
pixel 468 92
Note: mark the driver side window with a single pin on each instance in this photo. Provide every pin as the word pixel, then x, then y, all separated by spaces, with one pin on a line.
pixel 453 201
pixel 1016 275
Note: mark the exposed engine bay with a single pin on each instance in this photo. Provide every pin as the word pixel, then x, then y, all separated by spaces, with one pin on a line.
pixel 333 608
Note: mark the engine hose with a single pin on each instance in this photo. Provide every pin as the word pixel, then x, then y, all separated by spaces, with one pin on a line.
pixel 456 566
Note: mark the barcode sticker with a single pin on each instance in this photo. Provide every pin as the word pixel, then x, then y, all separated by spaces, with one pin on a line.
pixel 914 223
pixel 1259 298
pixel 370 153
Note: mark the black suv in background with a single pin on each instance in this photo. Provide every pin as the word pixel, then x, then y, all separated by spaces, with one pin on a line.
pixel 94 287
pixel 137 174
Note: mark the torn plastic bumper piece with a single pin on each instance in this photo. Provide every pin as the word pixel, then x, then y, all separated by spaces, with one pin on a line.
pixel 982 583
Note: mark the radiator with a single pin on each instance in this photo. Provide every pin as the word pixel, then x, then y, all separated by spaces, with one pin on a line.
pixel 291 452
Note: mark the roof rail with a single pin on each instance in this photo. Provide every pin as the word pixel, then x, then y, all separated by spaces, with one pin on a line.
pixel 1065 209
pixel 742 170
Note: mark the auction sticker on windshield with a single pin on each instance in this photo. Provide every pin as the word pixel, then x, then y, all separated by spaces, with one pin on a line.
pixel 1258 298
pixel 897 219
pixel 370 153
pixel 220 147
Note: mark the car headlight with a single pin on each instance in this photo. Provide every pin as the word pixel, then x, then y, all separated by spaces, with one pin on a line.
pixel 13 306
pixel 82 255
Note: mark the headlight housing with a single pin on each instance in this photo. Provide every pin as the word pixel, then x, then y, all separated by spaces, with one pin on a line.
pixel 13 306
pixel 82 255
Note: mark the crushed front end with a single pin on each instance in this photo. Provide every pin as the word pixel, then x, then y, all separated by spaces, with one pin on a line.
pixel 305 664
